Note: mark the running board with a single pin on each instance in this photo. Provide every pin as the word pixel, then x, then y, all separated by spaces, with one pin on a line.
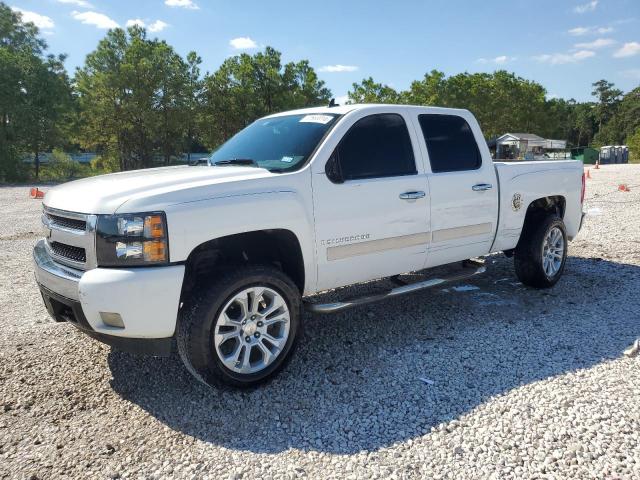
pixel 477 269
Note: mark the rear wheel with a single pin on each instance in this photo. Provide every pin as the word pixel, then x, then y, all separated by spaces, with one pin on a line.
pixel 542 252
pixel 241 329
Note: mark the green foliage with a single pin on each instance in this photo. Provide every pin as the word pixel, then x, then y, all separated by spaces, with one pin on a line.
pixel 491 97
pixel 11 168
pixel 137 102
pixel 503 102
pixel 35 93
pixel 633 141
pixel 608 99
pixel 247 87
pixel 131 94
pixel 61 167
pixel 371 92
pixel 105 163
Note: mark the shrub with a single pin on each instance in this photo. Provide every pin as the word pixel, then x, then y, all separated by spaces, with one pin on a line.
pixel 106 163
pixel 62 167
pixel 633 142
pixel 12 169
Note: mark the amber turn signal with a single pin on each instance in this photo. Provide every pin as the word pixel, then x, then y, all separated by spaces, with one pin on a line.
pixel 155 251
pixel 154 226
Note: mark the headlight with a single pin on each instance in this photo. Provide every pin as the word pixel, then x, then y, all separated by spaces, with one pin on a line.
pixel 132 239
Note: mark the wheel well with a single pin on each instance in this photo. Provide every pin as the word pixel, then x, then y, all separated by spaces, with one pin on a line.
pixel 265 247
pixel 544 206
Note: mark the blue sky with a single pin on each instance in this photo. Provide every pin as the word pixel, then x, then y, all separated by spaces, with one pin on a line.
pixel 564 44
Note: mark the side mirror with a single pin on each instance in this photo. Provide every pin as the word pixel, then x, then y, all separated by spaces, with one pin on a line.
pixel 333 170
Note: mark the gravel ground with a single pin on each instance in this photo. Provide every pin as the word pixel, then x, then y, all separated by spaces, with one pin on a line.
pixel 515 382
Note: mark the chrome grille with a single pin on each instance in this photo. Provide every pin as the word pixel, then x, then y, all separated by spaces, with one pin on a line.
pixel 75 254
pixel 70 223
pixel 71 238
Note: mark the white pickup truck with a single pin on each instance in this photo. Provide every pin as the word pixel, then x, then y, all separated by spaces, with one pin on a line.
pixel 217 259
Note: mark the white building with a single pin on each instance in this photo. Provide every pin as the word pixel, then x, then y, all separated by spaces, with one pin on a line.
pixel 525 146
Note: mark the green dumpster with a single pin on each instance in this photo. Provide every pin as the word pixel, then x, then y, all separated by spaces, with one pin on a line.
pixel 588 155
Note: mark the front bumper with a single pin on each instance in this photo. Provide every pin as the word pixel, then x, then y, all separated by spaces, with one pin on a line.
pixel 147 299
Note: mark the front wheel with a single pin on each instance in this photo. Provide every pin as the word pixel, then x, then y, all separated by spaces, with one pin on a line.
pixel 542 252
pixel 241 329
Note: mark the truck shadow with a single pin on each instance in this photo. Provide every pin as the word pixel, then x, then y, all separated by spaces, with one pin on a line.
pixel 368 378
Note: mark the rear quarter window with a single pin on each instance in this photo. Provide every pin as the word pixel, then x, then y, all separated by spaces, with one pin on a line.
pixel 450 143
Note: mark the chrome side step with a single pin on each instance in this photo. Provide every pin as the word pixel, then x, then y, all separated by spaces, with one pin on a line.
pixel 474 270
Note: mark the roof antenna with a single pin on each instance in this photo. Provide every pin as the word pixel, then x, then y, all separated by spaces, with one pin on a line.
pixel 333 103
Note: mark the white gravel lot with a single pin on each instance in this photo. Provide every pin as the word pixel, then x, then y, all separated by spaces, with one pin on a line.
pixel 525 383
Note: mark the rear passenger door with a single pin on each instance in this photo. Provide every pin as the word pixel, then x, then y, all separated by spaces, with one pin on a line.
pixel 464 192
pixel 371 222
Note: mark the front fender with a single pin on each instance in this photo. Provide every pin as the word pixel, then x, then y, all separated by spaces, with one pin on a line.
pixel 194 223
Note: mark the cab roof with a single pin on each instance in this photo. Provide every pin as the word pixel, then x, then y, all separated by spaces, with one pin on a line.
pixel 343 109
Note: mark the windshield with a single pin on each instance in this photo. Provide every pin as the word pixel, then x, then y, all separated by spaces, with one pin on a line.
pixel 278 144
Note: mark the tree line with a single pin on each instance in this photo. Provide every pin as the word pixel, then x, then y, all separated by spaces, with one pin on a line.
pixel 503 102
pixel 137 102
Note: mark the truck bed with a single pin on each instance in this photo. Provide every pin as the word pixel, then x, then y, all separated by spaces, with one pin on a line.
pixel 522 182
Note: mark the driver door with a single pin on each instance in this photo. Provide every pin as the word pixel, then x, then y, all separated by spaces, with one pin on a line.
pixel 371 206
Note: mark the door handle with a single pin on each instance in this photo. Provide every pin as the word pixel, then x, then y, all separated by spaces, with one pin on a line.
pixel 481 187
pixel 412 195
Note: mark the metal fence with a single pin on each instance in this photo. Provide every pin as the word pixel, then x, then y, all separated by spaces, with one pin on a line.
pixel 86 158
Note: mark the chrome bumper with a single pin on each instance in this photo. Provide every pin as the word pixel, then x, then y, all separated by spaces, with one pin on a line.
pixel 54 276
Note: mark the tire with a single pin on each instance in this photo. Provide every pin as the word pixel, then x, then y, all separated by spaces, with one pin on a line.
pixel 533 256
pixel 216 311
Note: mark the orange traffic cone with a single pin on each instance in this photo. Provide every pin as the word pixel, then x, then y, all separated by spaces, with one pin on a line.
pixel 589 174
pixel 36 193
pixel 623 187
pixel 597 164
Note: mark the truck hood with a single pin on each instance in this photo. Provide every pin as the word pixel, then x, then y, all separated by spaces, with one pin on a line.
pixel 129 191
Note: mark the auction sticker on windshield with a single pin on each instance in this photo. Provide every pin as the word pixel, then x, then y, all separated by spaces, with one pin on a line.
pixel 324 119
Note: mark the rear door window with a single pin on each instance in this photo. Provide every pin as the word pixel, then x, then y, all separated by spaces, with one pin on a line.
pixel 450 143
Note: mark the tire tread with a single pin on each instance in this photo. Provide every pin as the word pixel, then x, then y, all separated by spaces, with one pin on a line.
pixel 193 315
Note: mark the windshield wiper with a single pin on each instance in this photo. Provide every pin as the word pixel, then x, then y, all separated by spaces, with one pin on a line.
pixel 238 161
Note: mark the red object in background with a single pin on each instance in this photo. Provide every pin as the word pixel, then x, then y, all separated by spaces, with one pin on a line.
pixel 623 188
pixel 36 193
pixel 589 174
pixel 597 165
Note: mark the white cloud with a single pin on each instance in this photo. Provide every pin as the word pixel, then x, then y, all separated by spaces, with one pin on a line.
pixel 182 4
pixel 586 7
pixel 580 31
pixel 338 68
pixel 40 21
pixel 500 60
pixel 77 3
pixel 96 19
pixel 135 21
pixel 243 43
pixel 563 58
pixel 342 99
pixel 598 43
pixel 582 54
pixel 628 50
pixel 156 26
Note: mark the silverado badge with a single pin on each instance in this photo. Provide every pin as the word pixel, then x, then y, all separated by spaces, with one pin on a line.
pixel 516 202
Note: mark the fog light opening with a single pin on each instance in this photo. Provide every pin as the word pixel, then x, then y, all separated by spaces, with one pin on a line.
pixel 112 319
